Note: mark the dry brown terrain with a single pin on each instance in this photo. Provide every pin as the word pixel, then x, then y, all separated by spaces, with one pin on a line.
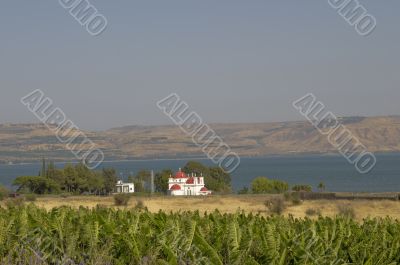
pixel 30 142
pixel 232 203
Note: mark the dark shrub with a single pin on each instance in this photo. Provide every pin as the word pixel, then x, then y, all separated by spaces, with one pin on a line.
pixel 140 205
pixel 275 205
pixel 296 200
pixel 312 212
pixel 121 199
pixel 287 196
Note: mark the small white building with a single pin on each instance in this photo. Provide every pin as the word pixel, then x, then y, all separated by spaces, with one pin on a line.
pixel 183 185
pixel 122 187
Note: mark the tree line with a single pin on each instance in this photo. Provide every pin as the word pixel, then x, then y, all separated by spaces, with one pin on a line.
pixel 78 179
pixel 262 185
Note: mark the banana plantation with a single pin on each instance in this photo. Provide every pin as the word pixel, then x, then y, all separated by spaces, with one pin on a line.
pixel 31 235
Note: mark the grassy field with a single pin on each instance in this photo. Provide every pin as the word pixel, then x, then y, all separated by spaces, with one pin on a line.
pixel 232 203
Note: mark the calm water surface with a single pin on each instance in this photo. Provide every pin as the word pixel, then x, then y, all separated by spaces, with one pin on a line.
pixel 334 171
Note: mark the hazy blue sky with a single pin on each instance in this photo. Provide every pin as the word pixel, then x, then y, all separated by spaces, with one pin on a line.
pixel 231 60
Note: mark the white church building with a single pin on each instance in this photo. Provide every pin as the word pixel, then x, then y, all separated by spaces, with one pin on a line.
pixel 183 185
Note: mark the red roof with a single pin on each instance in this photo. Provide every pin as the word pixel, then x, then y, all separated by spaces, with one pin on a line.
pixel 180 174
pixel 204 189
pixel 190 180
pixel 175 187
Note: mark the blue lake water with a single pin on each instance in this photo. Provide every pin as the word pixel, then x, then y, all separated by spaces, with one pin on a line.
pixel 334 171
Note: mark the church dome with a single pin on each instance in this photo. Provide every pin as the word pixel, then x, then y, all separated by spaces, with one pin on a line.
pixel 180 174
pixel 175 187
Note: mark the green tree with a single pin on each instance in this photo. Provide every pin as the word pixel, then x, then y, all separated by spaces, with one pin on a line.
pixel 59 177
pixel 265 185
pixel 110 179
pixel 83 174
pixel 196 168
pixel 219 180
pixel 56 175
pixel 321 186
pixel 139 185
pixel 215 178
pixel 69 178
pixel 49 173
pixel 161 180
pixel 142 180
pixel 95 182
pixel 76 179
pixel 143 175
pixel 33 184
pixel 43 171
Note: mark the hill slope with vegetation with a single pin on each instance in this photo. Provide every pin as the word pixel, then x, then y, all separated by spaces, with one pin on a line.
pixel 31 142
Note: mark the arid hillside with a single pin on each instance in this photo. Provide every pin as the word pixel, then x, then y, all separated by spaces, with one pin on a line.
pixel 30 142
